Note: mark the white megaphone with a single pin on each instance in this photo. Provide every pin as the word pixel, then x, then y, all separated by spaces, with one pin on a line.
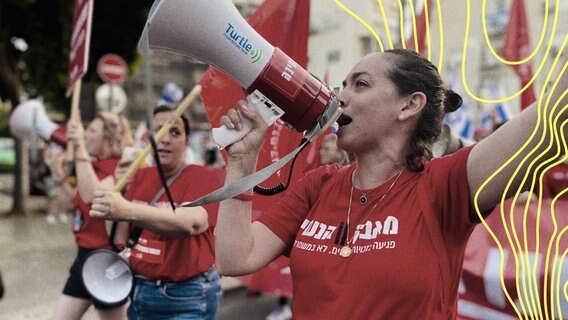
pixel 107 276
pixel 214 32
pixel 30 117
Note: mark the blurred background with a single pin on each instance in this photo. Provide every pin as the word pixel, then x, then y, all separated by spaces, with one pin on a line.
pixel 469 41
pixel 463 38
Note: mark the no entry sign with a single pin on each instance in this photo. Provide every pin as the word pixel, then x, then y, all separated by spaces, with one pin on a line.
pixel 111 68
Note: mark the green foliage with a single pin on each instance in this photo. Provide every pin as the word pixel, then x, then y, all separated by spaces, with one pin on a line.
pixel 46 27
pixel 117 26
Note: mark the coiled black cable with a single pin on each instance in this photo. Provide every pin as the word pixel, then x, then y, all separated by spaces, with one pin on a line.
pixel 280 187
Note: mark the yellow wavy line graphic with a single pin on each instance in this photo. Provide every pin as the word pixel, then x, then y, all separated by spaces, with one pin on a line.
pixel 536 161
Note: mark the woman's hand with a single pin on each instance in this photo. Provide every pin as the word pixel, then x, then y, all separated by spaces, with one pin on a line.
pixel 75 132
pixel 247 148
pixel 108 205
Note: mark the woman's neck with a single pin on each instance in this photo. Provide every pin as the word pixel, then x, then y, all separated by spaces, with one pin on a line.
pixel 373 170
pixel 168 172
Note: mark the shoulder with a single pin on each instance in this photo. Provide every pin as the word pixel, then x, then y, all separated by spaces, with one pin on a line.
pixel 146 170
pixel 449 162
pixel 200 169
pixel 108 162
pixel 106 166
pixel 445 175
pixel 324 173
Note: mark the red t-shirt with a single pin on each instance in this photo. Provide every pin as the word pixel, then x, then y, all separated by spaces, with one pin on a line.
pixel 90 233
pixel 175 259
pixel 394 271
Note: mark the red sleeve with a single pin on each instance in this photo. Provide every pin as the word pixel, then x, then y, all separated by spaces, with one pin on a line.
pixel 285 218
pixel 444 190
pixel 103 168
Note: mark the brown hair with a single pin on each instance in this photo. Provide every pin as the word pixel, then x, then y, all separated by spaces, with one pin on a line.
pixel 116 132
pixel 410 73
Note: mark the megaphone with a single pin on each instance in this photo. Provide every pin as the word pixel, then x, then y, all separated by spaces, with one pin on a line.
pixel 107 276
pixel 214 32
pixel 30 117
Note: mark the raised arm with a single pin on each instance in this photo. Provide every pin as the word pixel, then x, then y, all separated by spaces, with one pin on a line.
pixel 87 180
pixel 518 135
pixel 241 246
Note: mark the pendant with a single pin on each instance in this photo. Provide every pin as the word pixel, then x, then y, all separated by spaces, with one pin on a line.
pixel 363 199
pixel 345 251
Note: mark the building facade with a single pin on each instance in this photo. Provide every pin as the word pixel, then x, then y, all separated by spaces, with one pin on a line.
pixel 341 32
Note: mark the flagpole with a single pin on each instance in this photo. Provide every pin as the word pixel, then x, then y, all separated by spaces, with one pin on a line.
pixel 178 112
pixel 75 115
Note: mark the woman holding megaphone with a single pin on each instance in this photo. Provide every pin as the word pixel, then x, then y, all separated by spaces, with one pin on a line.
pixel 384 237
pixel 173 258
pixel 97 152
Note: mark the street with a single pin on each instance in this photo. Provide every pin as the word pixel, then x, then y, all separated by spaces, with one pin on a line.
pixel 35 257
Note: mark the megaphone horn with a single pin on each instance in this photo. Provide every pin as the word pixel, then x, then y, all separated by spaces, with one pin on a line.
pixel 214 32
pixel 107 276
pixel 30 117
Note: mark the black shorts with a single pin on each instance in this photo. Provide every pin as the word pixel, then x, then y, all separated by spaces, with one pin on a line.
pixel 75 287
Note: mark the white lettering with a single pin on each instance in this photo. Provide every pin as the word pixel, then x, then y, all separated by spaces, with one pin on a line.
pixel 391 225
pixel 289 70
pixel 367 231
pixel 148 250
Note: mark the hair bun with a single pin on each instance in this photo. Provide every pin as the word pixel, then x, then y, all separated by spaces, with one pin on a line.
pixel 452 102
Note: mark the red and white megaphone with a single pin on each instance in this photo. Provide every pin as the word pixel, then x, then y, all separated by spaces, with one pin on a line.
pixel 30 118
pixel 214 32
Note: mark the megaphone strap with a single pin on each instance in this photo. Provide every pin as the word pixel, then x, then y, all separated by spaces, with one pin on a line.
pixel 247 182
pixel 137 231
pixel 330 115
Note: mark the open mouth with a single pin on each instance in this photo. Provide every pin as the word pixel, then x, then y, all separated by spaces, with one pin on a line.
pixel 344 120
pixel 163 151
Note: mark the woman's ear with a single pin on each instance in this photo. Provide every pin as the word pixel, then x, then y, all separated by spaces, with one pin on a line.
pixel 414 104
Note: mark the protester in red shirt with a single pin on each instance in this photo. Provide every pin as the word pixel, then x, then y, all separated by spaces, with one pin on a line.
pixel 383 238
pixel 97 152
pixel 173 260
pixel 330 154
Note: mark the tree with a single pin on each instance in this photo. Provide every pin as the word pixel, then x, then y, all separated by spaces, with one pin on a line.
pixel 45 26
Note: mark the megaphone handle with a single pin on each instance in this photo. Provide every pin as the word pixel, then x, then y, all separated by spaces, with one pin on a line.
pixel 224 136
pixel 267 109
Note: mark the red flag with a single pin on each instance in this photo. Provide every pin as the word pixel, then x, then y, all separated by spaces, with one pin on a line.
pixel 420 35
pixel 284 24
pixel 80 40
pixel 516 47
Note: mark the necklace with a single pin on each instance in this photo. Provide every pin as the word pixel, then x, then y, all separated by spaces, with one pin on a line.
pixel 346 250
pixel 363 198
